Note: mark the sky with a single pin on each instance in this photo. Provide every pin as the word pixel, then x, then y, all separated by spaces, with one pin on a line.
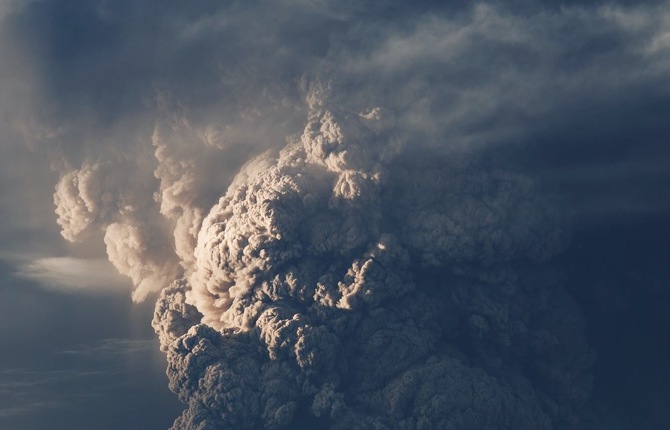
pixel 383 214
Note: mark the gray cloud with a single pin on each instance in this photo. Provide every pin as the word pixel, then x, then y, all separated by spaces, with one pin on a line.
pixel 344 198
pixel 323 304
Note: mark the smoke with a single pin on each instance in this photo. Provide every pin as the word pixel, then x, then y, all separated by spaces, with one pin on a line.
pixel 370 287
pixel 327 200
pixel 99 197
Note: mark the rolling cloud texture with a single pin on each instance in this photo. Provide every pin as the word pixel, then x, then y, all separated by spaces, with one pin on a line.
pixel 353 216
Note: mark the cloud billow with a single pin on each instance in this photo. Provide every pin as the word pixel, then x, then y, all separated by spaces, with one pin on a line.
pixel 335 202
pixel 310 296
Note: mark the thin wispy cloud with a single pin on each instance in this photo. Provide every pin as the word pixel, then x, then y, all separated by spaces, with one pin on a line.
pixel 74 275
pixel 113 348
pixel 24 391
pixel 84 372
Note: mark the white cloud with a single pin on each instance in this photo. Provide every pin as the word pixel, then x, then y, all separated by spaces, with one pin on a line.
pixel 74 275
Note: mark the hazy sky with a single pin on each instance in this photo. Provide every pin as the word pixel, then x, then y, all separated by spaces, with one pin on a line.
pixel 490 178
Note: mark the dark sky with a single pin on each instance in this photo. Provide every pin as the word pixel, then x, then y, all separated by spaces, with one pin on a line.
pixel 74 360
pixel 123 122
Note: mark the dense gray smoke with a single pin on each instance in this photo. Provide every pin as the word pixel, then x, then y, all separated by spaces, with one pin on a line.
pixel 374 288
pixel 327 200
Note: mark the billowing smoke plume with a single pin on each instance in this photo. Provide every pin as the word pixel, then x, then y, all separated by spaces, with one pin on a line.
pixel 97 197
pixel 333 237
pixel 343 281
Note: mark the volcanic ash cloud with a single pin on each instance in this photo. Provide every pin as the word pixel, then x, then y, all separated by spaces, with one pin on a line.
pixel 354 282
pixel 102 197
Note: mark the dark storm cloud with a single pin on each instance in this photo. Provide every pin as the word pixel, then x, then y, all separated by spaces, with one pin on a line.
pixel 387 262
